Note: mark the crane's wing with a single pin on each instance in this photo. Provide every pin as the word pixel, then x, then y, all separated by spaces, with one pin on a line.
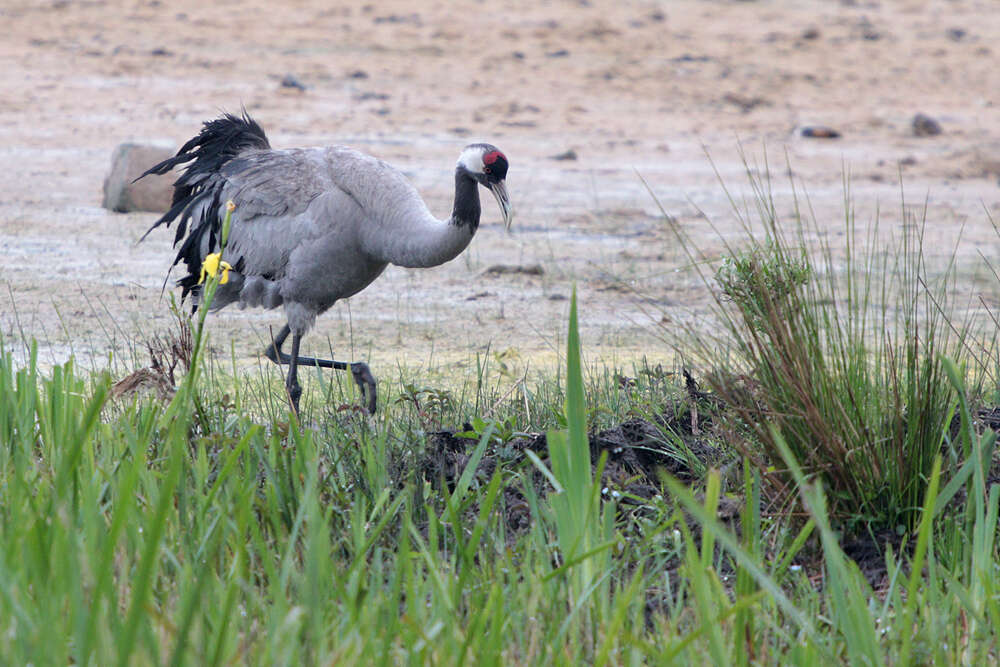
pixel 326 205
pixel 318 200
pixel 283 199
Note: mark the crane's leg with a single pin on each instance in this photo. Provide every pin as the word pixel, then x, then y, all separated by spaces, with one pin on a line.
pixel 292 381
pixel 359 370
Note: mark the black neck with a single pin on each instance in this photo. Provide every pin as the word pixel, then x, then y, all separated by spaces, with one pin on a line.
pixel 466 210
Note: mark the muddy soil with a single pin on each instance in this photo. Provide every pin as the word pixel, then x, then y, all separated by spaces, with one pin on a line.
pixel 632 457
pixel 587 98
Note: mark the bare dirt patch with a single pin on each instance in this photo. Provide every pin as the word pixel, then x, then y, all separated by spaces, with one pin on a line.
pixel 581 95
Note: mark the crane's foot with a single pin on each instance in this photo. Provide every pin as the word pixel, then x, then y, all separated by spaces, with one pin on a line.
pixel 359 370
pixel 366 384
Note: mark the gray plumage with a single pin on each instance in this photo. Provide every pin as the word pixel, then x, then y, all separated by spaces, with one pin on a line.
pixel 324 230
pixel 312 226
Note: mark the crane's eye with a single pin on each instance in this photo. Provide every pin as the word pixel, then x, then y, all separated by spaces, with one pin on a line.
pixel 487 170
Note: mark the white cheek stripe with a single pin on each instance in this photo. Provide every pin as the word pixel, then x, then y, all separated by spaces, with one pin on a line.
pixel 472 160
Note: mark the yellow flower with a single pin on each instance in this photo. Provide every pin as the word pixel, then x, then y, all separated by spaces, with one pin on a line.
pixel 211 266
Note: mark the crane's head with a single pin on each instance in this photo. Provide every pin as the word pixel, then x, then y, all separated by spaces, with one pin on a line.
pixel 487 165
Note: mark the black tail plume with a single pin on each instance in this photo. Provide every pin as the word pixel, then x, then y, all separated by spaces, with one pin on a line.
pixel 220 141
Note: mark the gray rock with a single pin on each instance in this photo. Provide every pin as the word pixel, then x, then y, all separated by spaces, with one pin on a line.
pixel 152 193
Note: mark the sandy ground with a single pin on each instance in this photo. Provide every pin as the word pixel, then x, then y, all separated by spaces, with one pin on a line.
pixel 633 87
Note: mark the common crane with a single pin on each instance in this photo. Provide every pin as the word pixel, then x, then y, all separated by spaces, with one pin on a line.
pixel 311 226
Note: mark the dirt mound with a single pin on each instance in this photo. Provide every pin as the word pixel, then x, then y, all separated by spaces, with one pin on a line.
pixel 638 453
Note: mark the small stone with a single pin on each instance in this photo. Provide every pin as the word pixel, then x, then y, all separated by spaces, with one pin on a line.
pixel 128 162
pixel 868 31
pixel 508 269
pixel 566 155
pixel 412 19
pixel 820 132
pixel 745 103
pixel 956 34
pixel 290 81
pixel 925 126
pixel 368 95
pixel 690 58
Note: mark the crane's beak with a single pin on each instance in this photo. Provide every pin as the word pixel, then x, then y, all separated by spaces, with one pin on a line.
pixel 499 190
